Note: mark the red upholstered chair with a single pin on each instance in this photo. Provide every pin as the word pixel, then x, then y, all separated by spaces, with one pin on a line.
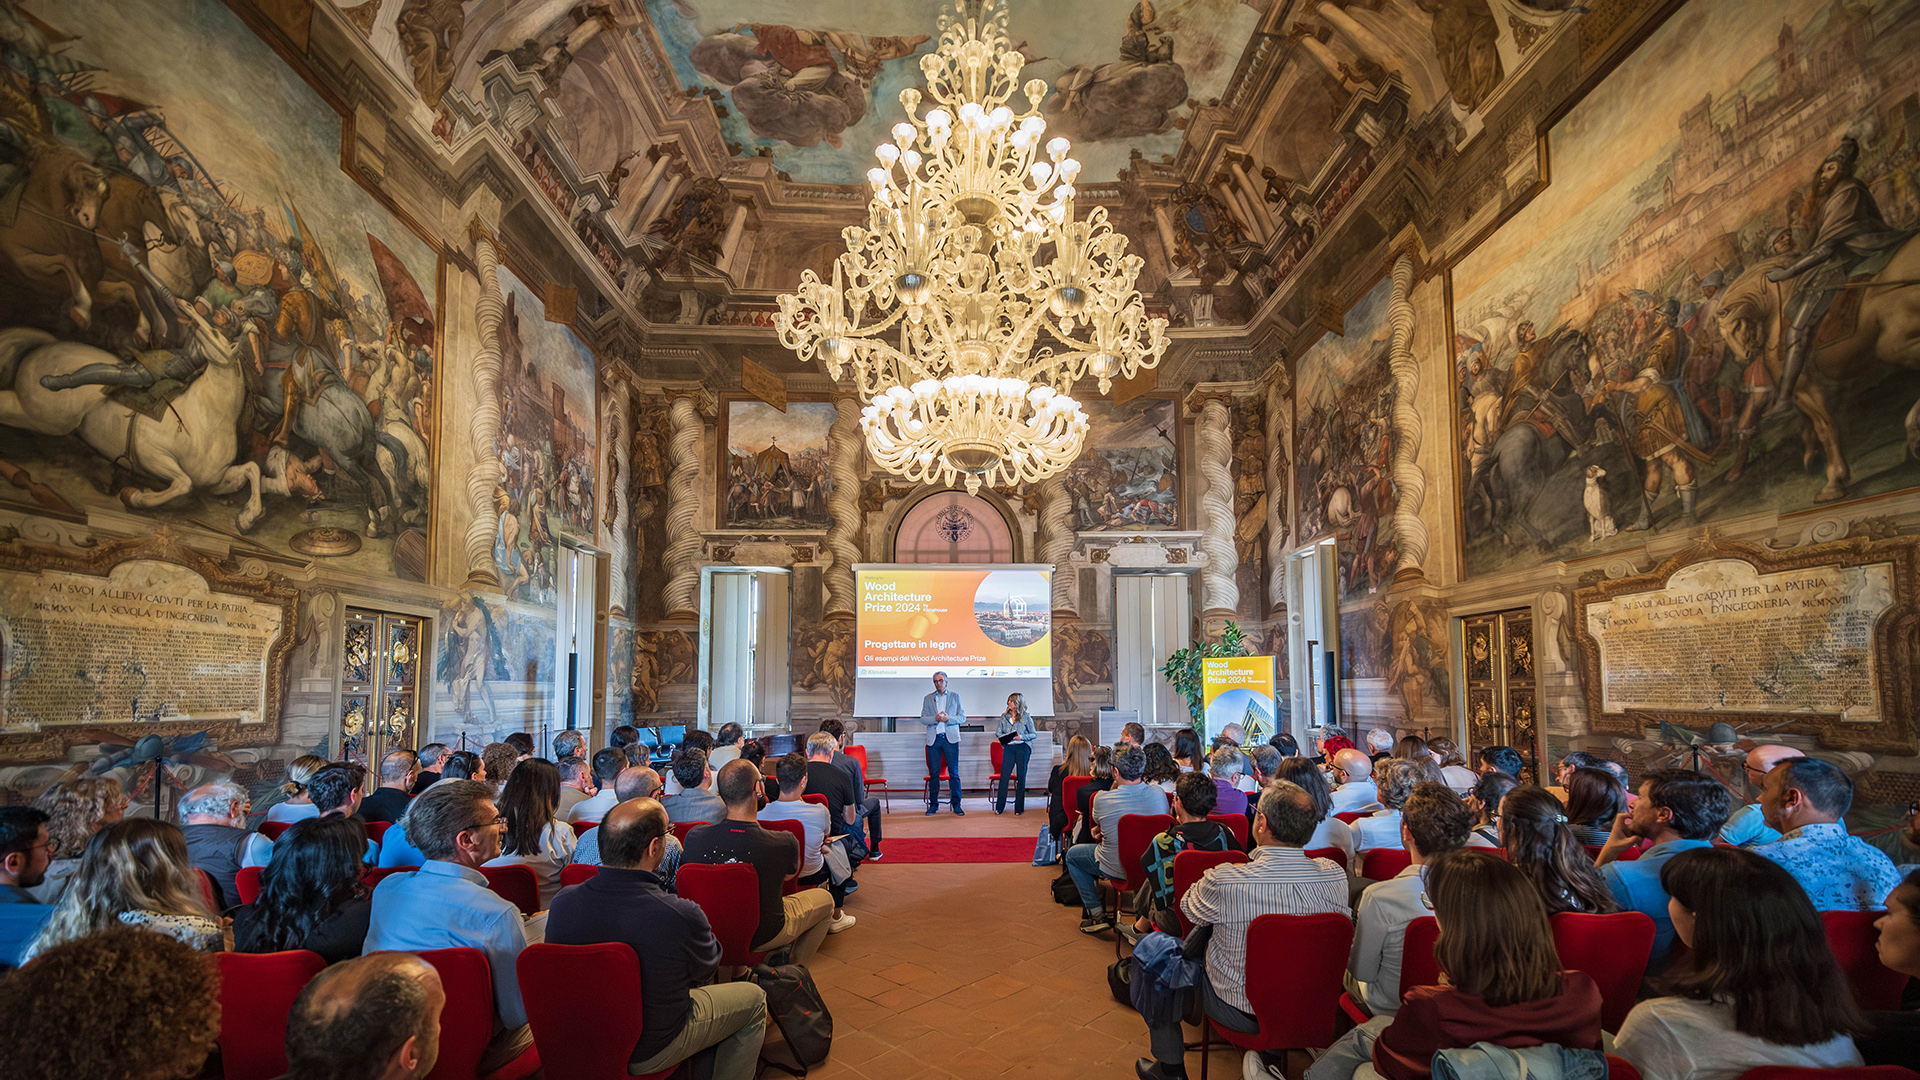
pixel 1851 936
pixel 1619 1068
pixel 466 1023
pixel 730 895
pixel 1611 948
pixel 377 830
pixel 1295 964
pixel 1070 798
pixel 1863 1072
pixel 208 890
pixel 1351 816
pixel 374 875
pixel 799 833
pixel 1136 832
pixel 272 829
pixel 247 883
pixel 1379 864
pixel 1418 966
pixel 516 884
pixel 1189 867
pixel 256 993
pixel 580 827
pixel 681 829
pixel 1235 823
pixel 1333 853
pixel 859 754
pixel 816 799
pixel 583 1036
pixel 575 873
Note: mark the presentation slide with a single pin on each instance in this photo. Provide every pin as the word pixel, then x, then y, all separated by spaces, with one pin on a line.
pixel 1238 690
pixel 989 627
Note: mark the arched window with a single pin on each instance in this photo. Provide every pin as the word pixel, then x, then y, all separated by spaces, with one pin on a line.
pixel 953 527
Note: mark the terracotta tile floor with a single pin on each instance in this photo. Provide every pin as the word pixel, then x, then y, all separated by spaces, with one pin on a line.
pixel 971 970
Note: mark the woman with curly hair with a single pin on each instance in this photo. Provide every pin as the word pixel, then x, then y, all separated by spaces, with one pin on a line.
pixel 152 1009
pixel 311 894
pixel 298 806
pixel 75 809
pixel 536 839
pixel 135 873
pixel 1535 834
pixel 1161 769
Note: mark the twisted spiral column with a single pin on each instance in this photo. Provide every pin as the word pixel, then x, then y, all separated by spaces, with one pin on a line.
pixel 619 522
pixel 844 449
pixel 1279 441
pixel 484 474
pixel 1410 483
pixel 1056 543
pixel 1218 593
pixel 681 560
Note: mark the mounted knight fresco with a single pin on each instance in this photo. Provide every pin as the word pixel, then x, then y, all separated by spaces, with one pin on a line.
pixel 195 321
pixel 1343 422
pixel 1707 313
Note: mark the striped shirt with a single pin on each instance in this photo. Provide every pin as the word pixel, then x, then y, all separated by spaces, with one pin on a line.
pixel 1276 881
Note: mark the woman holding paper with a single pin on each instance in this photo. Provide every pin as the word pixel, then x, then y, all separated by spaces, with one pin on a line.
pixel 1016 735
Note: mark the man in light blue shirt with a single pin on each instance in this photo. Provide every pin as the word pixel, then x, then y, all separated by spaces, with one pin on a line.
pixel 1805 798
pixel 1748 826
pixel 1679 811
pixel 1087 863
pixel 446 903
pixel 943 714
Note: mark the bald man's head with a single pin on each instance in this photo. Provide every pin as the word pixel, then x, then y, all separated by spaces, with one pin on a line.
pixel 1353 764
pixel 636 782
pixel 738 784
pixel 632 835
pixel 1762 759
pixel 377 1016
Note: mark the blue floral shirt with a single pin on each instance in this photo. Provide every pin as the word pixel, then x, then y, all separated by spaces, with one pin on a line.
pixel 1840 872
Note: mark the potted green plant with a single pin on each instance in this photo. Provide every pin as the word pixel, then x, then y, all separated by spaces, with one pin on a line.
pixel 1182 669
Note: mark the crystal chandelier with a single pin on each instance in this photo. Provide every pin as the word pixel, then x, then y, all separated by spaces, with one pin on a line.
pixel 1001 431
pixel 972 263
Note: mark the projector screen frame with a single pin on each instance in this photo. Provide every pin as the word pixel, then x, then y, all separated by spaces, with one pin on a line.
pixel 977 693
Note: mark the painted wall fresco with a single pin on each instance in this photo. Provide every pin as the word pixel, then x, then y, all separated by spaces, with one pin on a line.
pixel 1128 477
pixel 775 465
pixel 252 359
pixel 1621 341
pixel 816 95
pixel 1343 431
pixel 547 438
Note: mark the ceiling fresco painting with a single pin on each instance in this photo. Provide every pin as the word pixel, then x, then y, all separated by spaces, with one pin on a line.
pixel 816 87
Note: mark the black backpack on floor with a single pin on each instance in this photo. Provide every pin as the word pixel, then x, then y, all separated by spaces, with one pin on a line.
pixel 796 1008
pixel 1065 891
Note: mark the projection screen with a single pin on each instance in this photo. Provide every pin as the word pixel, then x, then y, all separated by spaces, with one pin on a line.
pixel 988 626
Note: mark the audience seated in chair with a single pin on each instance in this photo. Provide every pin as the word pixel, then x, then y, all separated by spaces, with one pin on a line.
pixel 311 895
pixel 576 785
pixel 1805 799
pixel 694 801
pixel 844 801
pixel 536 838
pixel 25 852
pixel 336 791
pixel 1100 774
pixel 1279 879
pixel 1489 791
pixel 1534 831
pixel 570 743
pixel 1226 766
pixel 1504 981
pixel 76 809
pixel 431 755
pixel 1747 827
pixel 446 903
pixel 800 920
pixel 118 1002
pixel 377 1017
pixel 389 801
pixel 1393 781
pixel 1677 811
pixel 606 771
pixel 866 826
pixel 1895 1038
pixel 1087 863
pixel 634 782
pixel 298 804
pixel 1077 760
pixel 1453 768
pixel 1356 790
pixel 1759 985
pixel 1502 759
pixel 795 772
pixel 1192 801
pixel 1594 799
pixel 136 873
pixel 625 902
pixel 498 760
pixel 218 840
pixel 1328 831
pixel 1434 822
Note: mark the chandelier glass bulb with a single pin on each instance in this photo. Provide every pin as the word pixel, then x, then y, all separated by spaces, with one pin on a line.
pixel 983 429
pixel 972 260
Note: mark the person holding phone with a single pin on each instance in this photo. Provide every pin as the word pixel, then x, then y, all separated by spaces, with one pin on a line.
pixel 1016 735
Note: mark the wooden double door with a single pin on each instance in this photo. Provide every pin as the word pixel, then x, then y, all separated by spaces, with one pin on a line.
pixel 1502 690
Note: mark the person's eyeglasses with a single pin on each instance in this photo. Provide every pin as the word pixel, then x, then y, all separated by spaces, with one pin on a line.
pixel 52 845
pixel 501 820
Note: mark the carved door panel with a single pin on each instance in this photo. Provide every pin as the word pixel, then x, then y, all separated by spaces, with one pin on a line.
pixel 1502 693
pixel 379 685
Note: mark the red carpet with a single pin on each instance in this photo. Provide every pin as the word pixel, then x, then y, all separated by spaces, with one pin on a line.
pixel 958 849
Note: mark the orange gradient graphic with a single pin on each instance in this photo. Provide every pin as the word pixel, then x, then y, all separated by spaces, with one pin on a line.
pixel 967 622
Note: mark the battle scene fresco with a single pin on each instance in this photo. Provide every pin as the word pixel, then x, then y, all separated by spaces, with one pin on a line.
pixel 546 446
pixel 1343 432
pixel 776 465
pixel 816 98
pixel 1128 477
pixel 1695 320
pixel 195 321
